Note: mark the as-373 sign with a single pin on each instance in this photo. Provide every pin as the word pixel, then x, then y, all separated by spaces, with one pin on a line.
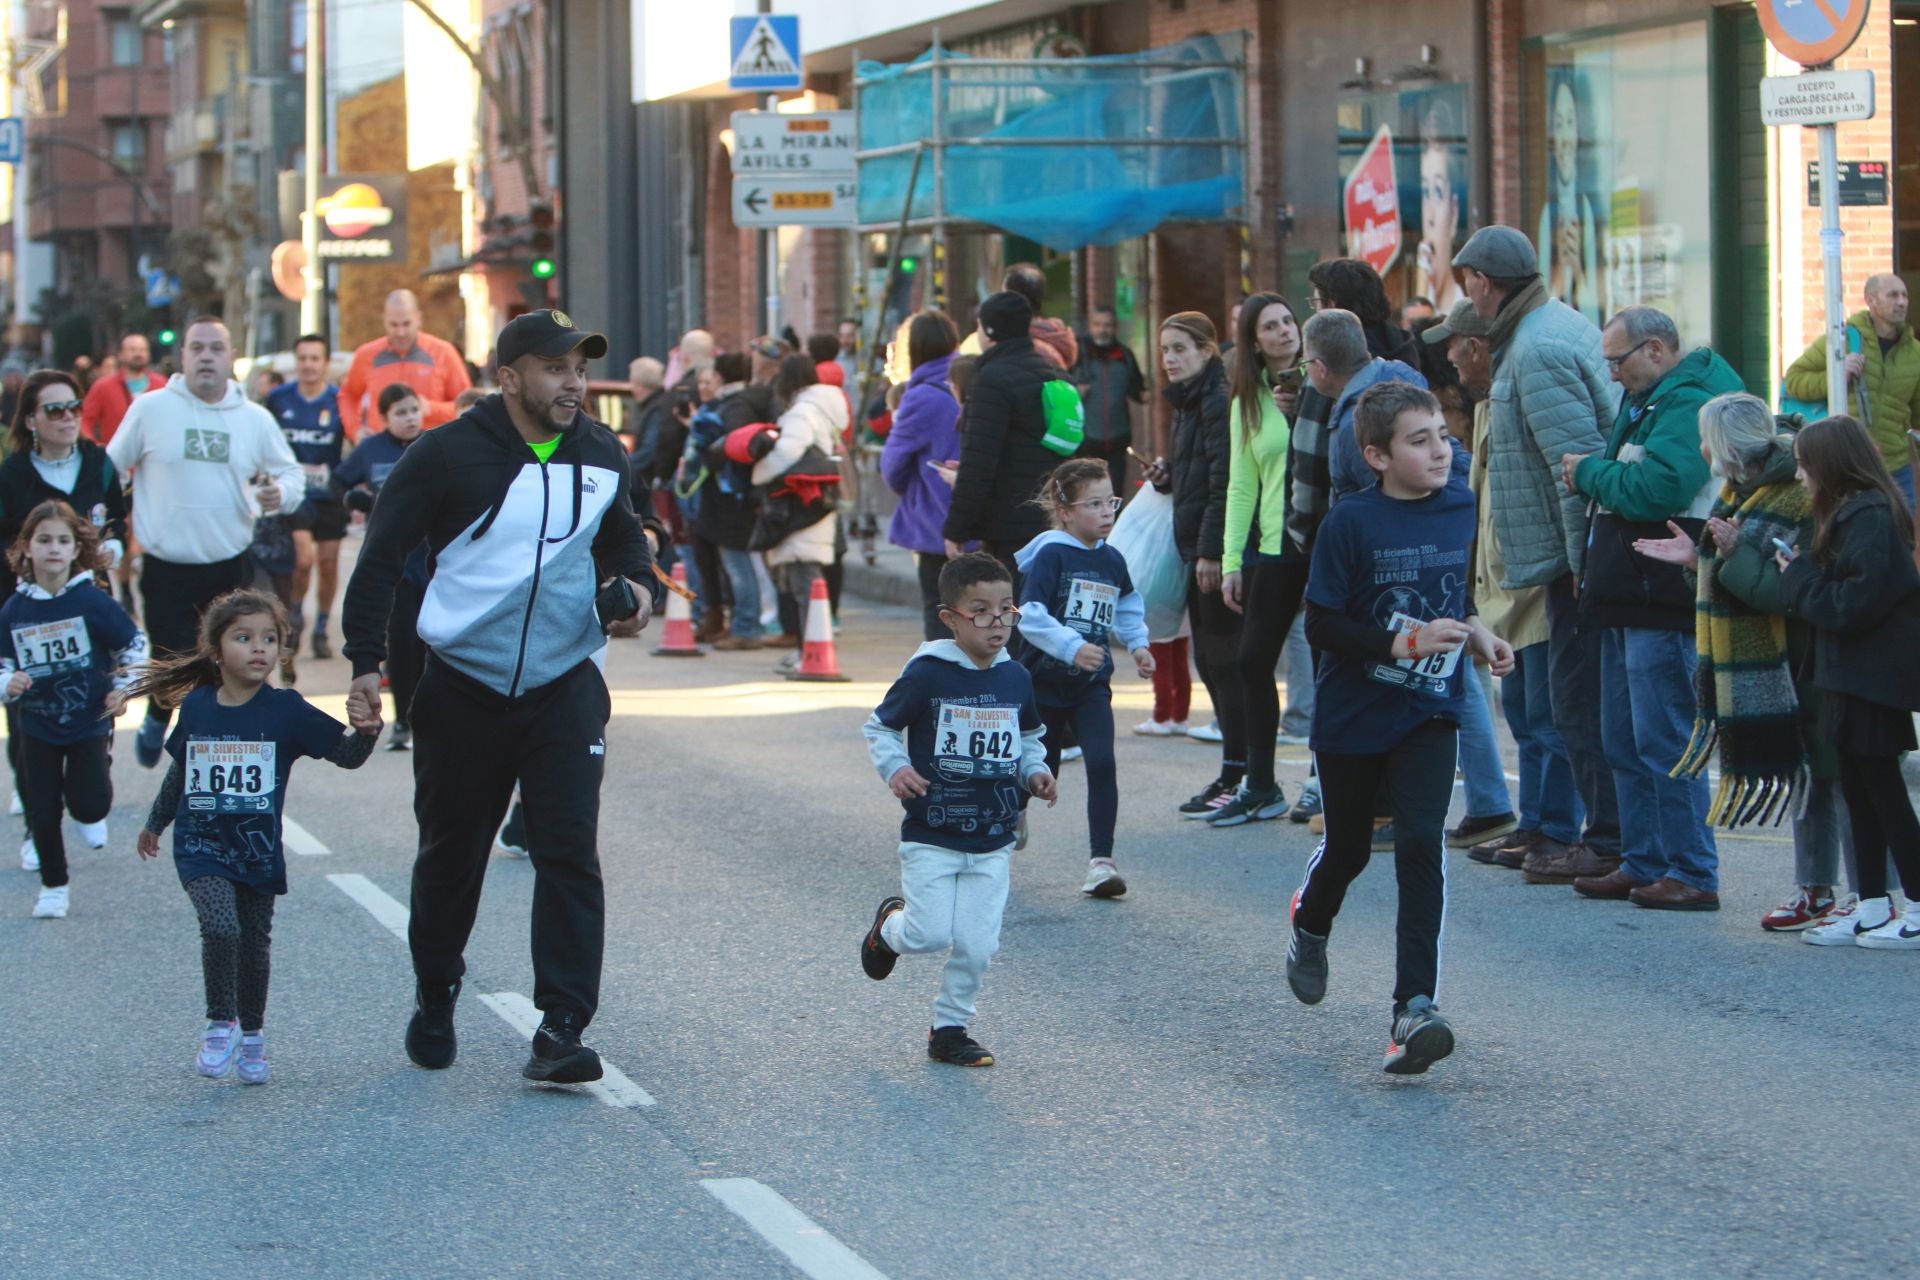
pixel 1812 32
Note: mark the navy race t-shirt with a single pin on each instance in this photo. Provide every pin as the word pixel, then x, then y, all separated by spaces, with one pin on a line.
pixel 67 644
pixel 234 766
pixel 1391 563
pixel 1081 588
pixel 313 432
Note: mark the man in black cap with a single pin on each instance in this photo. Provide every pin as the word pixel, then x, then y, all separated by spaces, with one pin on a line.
pixel 523 504
pixel 1002 462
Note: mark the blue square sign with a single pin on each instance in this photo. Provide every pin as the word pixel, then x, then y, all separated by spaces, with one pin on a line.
pixel 766 53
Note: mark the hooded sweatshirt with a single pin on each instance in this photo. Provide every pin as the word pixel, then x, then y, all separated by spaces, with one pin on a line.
pixel 519 547
pixel 974 733
pixel 816 417
pixel 194 465
pixel 1071 596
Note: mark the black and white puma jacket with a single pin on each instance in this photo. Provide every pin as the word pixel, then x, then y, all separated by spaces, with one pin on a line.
pixel 518 549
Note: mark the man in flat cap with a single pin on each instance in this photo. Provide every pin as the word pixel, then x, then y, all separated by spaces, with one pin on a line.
pixel 523 504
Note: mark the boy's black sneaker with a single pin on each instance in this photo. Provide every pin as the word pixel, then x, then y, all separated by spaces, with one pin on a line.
pixel 1421 1037
pixel 1473 831
pixel 876 957
pixel 953 1045
pixel 1208 802
pixel 1307 807
pixel 322 648
pixel 1307 966
pixel 1248 805
pixel 558 1056
pixel 430 1039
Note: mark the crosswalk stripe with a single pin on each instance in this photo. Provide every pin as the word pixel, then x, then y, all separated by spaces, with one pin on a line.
pixel 806 1244
pixel 379 903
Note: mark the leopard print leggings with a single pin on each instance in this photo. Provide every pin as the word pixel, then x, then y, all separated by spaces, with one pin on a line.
pixel 236 939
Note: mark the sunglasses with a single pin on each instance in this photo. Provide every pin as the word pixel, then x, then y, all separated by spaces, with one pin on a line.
pixel 61 409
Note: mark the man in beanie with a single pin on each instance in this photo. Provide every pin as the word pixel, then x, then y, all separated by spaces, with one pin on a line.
pixel 1551 396
pixel 1002 459
pixel 523 504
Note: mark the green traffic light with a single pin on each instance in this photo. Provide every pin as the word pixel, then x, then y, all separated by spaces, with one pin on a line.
pixel 166 337
pixel 543 268
pixel 909 265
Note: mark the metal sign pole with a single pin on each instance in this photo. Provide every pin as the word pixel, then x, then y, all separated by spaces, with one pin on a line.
pixel 1831 238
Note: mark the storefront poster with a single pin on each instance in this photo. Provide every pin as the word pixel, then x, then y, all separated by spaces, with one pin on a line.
pixel 1431 162
pixel 1570 239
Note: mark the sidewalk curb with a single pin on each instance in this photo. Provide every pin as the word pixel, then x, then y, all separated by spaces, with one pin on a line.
pixel 877 585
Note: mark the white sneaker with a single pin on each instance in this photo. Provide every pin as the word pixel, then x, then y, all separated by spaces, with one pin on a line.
pixel 1070 754
pixel 1154 729
pixel 95 834
pixel 1206 733
pixel 252 1066
pixel 52 904
pixel 29 856
pixel 1179 728
pixel 1844 924
pixel 218 1044
pixel 19 806
pixel 1103 880
pixel 1285 739
pixel 1902 933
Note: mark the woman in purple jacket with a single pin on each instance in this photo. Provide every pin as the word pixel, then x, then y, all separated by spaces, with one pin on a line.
pixel 925 436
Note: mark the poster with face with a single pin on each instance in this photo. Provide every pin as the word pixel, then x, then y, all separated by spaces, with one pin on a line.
pixel 1438 118
pixel 1571 225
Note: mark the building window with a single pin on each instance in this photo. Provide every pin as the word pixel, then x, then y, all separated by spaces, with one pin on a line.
pixel 127 41
pixel 130 147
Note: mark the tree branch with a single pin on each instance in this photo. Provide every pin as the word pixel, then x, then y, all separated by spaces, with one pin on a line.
pixel 513 131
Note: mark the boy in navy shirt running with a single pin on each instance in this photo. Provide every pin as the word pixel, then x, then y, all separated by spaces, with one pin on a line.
pixel 1390 610
pixel 308 411
pixel 958 740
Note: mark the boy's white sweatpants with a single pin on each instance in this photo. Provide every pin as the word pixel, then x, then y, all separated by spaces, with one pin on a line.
pixel 954 904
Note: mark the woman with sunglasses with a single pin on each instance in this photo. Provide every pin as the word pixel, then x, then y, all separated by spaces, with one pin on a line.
pixel 48 458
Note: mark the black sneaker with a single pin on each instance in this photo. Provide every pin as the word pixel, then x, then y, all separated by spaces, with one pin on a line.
pixel 149 742
pixel 400 738
pixel 1250 806
pixel 1473 831
pixel 876 957
pixel 430 1039
pixel 322 647
pixel 1307 807
pixel 954 1045
pixel 1421 1037
pixel 1383 837
pixel 1208 802
pixel 1307 966
pixel 558 1056
pixel 293 635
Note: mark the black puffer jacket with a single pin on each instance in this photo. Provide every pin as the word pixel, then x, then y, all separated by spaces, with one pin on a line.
pixel 1864 606
pixel 97 496
pixel 1202 439
pixel 1002 461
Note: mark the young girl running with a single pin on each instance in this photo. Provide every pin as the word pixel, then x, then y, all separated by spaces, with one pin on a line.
pixel 232 750
pixel 1075 599
pixel 1860 591
pixel 62 641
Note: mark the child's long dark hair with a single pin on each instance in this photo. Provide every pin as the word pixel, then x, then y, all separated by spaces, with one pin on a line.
pixel 86 540
pixel 1841 460
pixel 167 681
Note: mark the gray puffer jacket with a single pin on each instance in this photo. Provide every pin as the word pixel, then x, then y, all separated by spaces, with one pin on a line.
pixel 1551 396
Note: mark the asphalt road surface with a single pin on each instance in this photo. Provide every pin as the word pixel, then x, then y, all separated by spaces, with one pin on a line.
pixel 1635 1093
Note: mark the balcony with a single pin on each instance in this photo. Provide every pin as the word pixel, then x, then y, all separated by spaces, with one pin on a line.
pixel 192 133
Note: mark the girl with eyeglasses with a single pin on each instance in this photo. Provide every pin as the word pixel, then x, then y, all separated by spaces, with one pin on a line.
pixel 1076 599
pixel 50 459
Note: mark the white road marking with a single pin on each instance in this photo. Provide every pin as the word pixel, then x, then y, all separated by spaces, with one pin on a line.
pixel 805 1243
pixel 301 841
pixel 379 904
pixel 614 1088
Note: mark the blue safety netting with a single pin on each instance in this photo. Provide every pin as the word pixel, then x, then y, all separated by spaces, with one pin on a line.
pixel 1096 181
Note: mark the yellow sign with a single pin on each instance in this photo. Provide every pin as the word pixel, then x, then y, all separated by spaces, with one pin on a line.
pixel 791 200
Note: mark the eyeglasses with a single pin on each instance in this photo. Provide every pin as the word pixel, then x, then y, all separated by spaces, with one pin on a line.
pixel 1011 618
pixel 1317 303
pixel 1098 504
pixel 60 409
pixel 1614 362
pixel 1306 366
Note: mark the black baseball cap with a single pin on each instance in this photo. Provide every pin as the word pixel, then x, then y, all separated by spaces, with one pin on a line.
pixel 545 333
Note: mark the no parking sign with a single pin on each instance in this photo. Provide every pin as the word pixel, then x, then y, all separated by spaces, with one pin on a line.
pixel 1812 32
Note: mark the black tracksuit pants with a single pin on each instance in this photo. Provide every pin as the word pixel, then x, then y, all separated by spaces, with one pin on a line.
pixel 54 780
pixel 172 598
pixel 470 747
pixel 406 651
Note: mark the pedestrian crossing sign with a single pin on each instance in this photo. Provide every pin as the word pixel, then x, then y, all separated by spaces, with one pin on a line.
pixel 766 53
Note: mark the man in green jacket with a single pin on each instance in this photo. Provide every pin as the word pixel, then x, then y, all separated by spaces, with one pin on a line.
pixel 1651 479
pixel 1889 366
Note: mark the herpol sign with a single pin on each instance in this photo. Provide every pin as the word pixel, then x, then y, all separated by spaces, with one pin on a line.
pixel 1372 205
pixel 363 217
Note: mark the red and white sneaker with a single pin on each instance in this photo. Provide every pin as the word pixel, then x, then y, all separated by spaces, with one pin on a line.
pixel 1809 905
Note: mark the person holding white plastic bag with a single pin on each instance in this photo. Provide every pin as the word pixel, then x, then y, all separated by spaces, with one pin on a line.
pixel 1143 535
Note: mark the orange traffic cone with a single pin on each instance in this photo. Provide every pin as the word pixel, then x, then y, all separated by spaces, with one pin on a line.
pixel 677 640
pixel 819 660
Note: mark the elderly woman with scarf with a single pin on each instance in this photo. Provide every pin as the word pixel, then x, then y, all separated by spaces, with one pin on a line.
pixel 1757 701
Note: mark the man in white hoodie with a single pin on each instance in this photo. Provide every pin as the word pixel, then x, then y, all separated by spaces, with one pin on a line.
pixel 208 462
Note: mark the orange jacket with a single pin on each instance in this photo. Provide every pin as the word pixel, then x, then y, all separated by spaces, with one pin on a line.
pixel 433 368
pixel 107 401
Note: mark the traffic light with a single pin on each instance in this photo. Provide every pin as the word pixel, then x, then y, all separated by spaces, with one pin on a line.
pixel 909 265
pixel 540 241
pixel 164 333
pixel 166 337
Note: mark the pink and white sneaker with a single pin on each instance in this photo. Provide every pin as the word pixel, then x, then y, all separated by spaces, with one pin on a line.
pixel 218 1045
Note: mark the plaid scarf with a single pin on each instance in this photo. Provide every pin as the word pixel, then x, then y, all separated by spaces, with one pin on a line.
pixel 1744 690
pixel 1309 469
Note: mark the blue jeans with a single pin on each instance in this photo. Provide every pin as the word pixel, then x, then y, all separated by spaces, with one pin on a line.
pixel 1646 721
pixel 746 593
pixel 1297 720
pixel 1549 802
pixel 1903 480
pixel 1480 765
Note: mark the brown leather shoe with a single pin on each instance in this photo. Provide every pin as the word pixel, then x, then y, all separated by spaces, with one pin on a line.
pixel 1616 884
pixel 1590 863
pixel 1553 863
pixel 1671 895
pixel 1521 840
pixel 735 644
pixel 1514 858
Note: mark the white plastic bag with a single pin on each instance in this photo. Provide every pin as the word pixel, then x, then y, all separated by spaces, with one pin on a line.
pixel 1143 535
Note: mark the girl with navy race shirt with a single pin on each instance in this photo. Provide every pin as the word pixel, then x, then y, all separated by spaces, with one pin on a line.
pixel 233 749
pixel 1075 600
pixel 68 652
